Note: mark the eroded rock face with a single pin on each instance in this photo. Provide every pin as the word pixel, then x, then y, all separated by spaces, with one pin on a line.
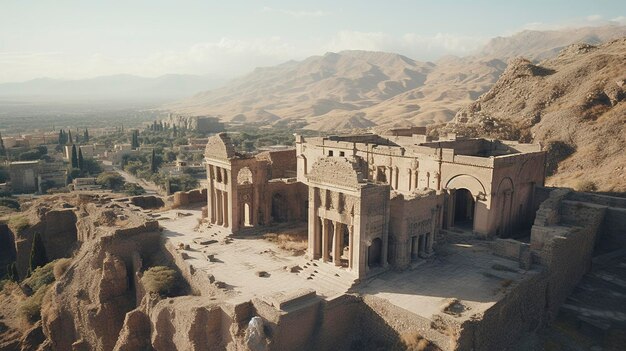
pixel 187 323
pixel 135 334
pixel 87 307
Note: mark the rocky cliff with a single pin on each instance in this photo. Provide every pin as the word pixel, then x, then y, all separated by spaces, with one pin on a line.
pixel 574 104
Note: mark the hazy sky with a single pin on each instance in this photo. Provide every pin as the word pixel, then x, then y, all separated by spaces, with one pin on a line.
pixel 78 39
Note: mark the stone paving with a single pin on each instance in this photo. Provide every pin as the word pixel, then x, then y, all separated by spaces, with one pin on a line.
pixel 237 261
pixel 463 271
pixel 459 271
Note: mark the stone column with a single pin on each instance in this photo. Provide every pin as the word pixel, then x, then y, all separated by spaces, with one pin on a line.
pixel 225 208
pixel 350 246
pixel 395 177
pixel 415 179
pixel 324 240
pixel 219 202
pixel 390 176
pixel 337 243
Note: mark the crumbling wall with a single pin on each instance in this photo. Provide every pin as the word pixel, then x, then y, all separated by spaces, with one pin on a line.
pixel 184 198
pixel 562 244
pixel 147 201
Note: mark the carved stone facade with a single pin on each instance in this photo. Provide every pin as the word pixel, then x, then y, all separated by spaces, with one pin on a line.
pixel 372 201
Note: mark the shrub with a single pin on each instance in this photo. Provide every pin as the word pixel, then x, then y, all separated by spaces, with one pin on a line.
pixel 31 307
pixel 586 186
pixel 414 341
pixel 61 265
pixel 40 277
pixel 161 280
pixel 110 180
pixel 133 189
pixel 19 223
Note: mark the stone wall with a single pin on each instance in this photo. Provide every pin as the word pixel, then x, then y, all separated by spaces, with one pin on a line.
pixel 185 198
pixel 562 244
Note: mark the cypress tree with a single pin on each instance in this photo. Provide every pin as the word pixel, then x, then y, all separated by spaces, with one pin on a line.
pixel 3 150
pixel 69 137
pixel 80 159
pixel 174 131
pixel 12 272
pixel 153 166
pixel 74 157
pixel 86 136
pixel 38 256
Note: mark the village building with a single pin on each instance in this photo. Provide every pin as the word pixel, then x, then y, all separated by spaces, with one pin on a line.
pixel 373 201
pixel 36 176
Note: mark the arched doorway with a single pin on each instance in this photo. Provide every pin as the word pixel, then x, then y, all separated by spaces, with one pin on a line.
pixel 279 208
pixel 464 204
pixel 374 253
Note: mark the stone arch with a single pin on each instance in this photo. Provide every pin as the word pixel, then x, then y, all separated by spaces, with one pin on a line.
pixel 244 176
pixel 468 182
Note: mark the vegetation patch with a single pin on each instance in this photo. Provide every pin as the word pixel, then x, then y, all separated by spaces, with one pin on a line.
pixel 162 280
pixel 39 282
pixel 586 186
pixel 19 223
pixel 296 244
pixel 414 341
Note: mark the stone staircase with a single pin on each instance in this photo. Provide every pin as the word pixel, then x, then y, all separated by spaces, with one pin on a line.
pixel 328 279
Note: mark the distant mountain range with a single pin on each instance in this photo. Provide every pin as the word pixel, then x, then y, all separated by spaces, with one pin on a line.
pixel 115 87
pixel 361 89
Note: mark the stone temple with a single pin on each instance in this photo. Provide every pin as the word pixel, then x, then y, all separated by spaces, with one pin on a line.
pixel 374 202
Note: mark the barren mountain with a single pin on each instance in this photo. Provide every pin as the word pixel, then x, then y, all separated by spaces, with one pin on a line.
pixel 574 103
pixel 361 89
pixel 345 81
pixel 540 45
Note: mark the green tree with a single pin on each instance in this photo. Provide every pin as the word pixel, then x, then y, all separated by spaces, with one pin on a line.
pixel 12 272
pixel 3 150
pixel 74 156
pixel 62 137
pixel 81 161
pixel 153 162
pixel 86 136
pixel 110 180
pixel 38 256
pixel 4 174
pixel 69 137
pixel 91 166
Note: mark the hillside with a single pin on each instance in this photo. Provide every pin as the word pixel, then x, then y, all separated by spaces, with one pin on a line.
pixel 574 104
pixel 306 90
pixel 361 89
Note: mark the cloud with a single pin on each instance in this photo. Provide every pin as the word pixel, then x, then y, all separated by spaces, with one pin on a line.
pixel 420 47
pixel 296 14
pixel 618 20
pixel 594 18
